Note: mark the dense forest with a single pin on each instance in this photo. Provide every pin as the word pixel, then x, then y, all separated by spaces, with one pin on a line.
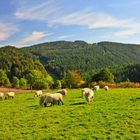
pixel 61 59
pixel 20 69
pixel 62 56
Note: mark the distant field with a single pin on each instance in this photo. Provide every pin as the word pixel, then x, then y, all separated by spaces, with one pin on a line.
pixel 113 115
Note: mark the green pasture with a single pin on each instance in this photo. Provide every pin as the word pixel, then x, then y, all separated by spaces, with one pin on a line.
pixel 114 114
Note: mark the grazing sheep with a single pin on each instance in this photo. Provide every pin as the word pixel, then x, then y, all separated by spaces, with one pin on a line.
pixel 106 88
pixel 42 98
pixel 63 91
pixel 97 87
pixel 88 94
pixel 83 92
pixel 38 93
pixel 51 98
pixel 1 95
pixel 9 95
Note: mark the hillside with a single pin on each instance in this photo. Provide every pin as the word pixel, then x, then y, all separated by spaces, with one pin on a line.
pixel 61 56
pixel 17 62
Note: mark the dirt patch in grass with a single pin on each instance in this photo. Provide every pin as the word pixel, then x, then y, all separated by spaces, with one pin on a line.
pixel 17 91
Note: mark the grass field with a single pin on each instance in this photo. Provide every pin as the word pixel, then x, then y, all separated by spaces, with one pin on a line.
pixel 113 115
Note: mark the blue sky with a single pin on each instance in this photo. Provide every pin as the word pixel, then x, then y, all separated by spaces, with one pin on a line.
pixel 28 22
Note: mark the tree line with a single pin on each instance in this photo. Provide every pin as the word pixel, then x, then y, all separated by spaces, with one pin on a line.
pixel 68 64
pixel 61 56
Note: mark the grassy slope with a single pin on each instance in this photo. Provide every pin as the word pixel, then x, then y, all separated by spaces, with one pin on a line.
pixel 111 116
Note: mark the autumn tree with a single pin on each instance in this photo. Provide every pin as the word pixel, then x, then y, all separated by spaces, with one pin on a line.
pixel 73 79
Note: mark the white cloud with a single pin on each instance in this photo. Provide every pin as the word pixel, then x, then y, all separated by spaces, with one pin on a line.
pixel 6 30
pixel 91 19
pixel 33 38
pixel 128 29
pixel 43 11
pixel 66 36
pixel 53 14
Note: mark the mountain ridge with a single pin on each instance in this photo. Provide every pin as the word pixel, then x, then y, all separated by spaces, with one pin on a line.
pixel 60 57
pixel 87 58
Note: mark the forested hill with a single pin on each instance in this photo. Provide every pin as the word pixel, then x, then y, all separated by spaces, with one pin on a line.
pixel 61 56
pixel 18 62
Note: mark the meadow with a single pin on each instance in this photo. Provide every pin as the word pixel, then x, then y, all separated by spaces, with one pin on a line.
pixel 114 114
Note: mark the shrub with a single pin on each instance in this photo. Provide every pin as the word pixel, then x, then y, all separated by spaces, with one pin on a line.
pixel 23 83
pixel 15 82
pixel 57 84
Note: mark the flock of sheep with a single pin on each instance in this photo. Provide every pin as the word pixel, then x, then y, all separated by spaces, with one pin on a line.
pixel 53 98
pixel 7 95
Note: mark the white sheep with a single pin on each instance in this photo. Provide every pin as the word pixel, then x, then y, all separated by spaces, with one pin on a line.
pixel 83 92
pixel 42 99
pixel 1 95
pixel 97 87
pixel 88 94
pixel 62 91
pixel 38 93
pixel 106 88
pixel 10 95
pixel 51 99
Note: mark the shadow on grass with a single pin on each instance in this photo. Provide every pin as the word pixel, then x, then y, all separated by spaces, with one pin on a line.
pixel 79 103
pixel 79 97
pixel 34 106
pixel 135 99
pixel 42 106
pixel 30 99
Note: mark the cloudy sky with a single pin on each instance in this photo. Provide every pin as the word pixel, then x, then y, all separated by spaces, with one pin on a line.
pixel 28 22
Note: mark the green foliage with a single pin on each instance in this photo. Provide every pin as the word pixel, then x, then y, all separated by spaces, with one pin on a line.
pixel 111 116
pixel 61 56
pixel 57 58
pixel 23 83
pixel 37 80
pixel 7 83
pixel 104 75
pixel 18 63
pixel 57 84
pixel 15 82
pixel 15 62
pixel 30 79
pixel 132 73
pixel 4 81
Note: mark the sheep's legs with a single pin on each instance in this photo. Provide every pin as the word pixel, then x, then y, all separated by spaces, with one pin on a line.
pixel 45 105
pixel 62 102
